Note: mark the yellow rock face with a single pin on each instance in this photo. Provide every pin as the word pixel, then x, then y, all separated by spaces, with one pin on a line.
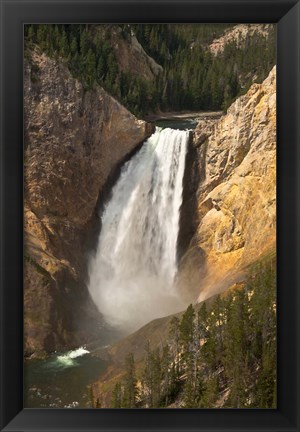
pixel 237 196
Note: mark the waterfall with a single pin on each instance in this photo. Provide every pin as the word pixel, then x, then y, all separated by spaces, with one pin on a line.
pixel 131 276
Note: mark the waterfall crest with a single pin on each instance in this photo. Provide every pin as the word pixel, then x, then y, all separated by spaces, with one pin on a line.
pixel 131 275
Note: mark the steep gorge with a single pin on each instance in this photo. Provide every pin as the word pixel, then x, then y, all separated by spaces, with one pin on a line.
pixel 74 142
pixel 227 216
pixel 228 213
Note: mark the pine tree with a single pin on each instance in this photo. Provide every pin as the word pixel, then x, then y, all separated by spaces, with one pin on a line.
pixel 30 33
pixel 210 393
pixel 64 48
pixel 130 384
pixel 147 377
pixel 152 377
pixel 84 44
pixel 92 398
pixel 219 315
pixel 202 321
pixel 157 379
pixel 56 38
pixel 89 69
pixel 74 46
pixel 41 36
pixel 189 395
pixel 174 343
pixel 263 327
pixel 186 329
pixel 235 341
pixel 116 401
pixel 199 387
pixel 166 375
pixel 100 73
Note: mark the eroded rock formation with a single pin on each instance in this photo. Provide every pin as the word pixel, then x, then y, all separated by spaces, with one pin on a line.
pixel 236 212
pixel 130 55
pixel 74 140
pixel 238 35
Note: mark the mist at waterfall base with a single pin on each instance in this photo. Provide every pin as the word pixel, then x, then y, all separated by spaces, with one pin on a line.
pixel 133 271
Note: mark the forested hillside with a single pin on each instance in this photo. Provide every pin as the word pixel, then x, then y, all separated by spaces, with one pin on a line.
pixel 191 77
pixel 219 354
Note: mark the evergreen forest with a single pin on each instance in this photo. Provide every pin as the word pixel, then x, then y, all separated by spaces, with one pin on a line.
pixel 191 79
pixel 222 353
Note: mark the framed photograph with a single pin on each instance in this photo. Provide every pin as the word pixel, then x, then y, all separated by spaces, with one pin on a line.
pixel 149 215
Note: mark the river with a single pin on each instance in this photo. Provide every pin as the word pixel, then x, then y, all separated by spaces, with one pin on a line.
pixel 61 380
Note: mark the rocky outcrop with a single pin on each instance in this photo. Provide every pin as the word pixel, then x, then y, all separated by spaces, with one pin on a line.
pixel 130 55
pixel 238 35
pixel 74 141
pixel 236 211
pixel 146 66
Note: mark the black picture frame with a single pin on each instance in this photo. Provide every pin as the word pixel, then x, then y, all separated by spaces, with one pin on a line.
pixel 14 13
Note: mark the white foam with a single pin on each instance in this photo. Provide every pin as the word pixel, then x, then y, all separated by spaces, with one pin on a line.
pixel 68 359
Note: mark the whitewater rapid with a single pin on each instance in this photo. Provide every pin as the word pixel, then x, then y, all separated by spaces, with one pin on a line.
pixel 132 274
pixel 68 358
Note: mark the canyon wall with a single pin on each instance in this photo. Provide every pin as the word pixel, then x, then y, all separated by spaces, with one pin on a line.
pixel 74 142
pixel 235 214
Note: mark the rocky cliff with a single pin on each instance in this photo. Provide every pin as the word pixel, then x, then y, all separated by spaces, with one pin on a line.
pixel 74 142
pixel 238 35
pixel 235 214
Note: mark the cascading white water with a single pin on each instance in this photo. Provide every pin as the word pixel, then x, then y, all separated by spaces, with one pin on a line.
pixel 131 276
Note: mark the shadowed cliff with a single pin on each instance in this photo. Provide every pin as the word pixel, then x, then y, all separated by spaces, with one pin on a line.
pixel 74 142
